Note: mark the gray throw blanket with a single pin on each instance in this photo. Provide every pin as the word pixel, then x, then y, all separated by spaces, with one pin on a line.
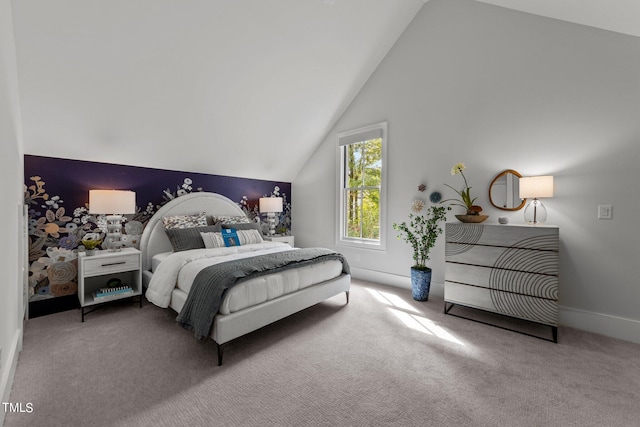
pixel 205 296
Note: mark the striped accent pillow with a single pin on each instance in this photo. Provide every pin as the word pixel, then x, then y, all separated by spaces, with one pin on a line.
pixel 248 237
pixel 215 240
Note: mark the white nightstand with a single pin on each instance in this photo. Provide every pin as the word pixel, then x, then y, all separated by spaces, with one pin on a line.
pixel 95 271
pixel 284 239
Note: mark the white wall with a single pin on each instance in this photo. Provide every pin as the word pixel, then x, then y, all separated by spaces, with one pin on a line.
pixel 11 165
pixel 498 89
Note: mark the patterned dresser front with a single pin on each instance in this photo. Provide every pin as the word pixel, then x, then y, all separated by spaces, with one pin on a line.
pixel 506 269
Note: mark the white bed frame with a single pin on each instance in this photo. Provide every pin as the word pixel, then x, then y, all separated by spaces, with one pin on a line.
pixel 228 327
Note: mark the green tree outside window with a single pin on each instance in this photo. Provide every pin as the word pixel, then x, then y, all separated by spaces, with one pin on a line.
pixel 363 181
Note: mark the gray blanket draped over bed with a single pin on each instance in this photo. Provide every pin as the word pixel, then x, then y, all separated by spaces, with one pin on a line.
pixel 206 292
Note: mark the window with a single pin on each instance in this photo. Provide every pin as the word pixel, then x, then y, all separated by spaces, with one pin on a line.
pixel 362 186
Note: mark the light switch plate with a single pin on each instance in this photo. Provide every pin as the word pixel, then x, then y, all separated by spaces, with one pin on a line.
pixel 605 212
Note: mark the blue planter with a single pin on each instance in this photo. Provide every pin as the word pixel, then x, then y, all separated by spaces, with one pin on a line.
pixel 420 284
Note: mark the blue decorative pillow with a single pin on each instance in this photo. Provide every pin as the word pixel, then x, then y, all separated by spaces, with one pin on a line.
pixel 230 237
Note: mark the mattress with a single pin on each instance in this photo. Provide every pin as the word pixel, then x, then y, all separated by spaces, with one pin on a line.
pixel 157 259
pixel 258 290
pixel 265 288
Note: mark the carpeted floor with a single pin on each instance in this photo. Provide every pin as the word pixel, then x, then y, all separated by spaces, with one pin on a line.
pixel 383 359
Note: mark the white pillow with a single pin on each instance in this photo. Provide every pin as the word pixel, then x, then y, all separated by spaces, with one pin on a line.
pixel 212 240
pixel 246 237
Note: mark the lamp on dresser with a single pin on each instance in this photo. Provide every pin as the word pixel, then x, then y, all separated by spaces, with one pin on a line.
pixel 271 206
pixel 535 187
pixel 113 204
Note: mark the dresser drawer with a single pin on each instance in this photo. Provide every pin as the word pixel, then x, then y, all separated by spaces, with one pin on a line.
pixel 536 237
pixel 529 260
pixel 521 306
pixel 112 264
pixel 519 282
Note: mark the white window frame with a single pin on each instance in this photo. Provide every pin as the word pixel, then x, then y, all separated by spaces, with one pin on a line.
pixel 347 138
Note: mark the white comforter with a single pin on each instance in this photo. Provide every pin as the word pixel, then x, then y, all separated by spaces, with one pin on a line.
pixel 166 275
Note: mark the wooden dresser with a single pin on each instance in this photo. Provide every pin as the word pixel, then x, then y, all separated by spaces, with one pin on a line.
pixel 506 269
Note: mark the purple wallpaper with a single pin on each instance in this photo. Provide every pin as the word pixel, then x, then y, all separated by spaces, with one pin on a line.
pixel 57 192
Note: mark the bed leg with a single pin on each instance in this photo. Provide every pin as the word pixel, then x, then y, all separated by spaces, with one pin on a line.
pixel 347 293
pixel 220 353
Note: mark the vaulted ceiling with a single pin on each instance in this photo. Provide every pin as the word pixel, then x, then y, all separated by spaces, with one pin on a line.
pixel 622 16
pixel 230 87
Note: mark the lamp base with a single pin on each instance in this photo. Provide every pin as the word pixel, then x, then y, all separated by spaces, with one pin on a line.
pixel 535 213
pixel 271 220
pixel 114 233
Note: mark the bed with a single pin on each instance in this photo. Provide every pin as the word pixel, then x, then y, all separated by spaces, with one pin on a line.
pixel 249 305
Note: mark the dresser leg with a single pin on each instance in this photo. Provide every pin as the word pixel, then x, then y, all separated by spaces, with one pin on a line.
pixel 554 331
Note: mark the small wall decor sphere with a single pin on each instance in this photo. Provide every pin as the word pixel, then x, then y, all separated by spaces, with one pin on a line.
pixel 435 197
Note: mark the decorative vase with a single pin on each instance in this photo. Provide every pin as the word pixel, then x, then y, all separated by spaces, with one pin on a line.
pixel 472 218
pixel 90 252
pixel 420 284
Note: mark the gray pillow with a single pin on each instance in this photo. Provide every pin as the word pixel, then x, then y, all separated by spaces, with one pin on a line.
pixel 249 226
pixel 184 239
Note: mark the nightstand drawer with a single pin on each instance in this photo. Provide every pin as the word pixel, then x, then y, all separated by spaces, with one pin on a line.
pixel 113 264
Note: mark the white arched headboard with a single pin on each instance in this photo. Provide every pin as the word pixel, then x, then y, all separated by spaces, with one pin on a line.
pixel 154 239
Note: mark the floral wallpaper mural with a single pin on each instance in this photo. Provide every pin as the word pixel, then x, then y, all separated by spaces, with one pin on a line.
pixel 57 194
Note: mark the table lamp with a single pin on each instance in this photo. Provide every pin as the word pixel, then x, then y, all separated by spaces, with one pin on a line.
pixel 271 206
pixel 535 187
pixel 113 204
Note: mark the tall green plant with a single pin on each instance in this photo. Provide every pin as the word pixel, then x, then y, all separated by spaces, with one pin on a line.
pixel 422 231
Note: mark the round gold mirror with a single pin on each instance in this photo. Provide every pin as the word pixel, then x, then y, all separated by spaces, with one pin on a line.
pixel 504 189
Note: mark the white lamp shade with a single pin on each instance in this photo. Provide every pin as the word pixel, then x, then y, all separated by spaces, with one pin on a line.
pixel 112 202
pixel 270 204
pixel 536 187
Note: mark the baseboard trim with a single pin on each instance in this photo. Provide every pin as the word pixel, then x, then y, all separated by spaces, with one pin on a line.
pixel 604 324
pixel 392 280
pixel 599 323
pixel 9 370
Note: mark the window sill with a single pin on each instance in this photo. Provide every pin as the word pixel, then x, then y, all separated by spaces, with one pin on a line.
pixel 360 244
